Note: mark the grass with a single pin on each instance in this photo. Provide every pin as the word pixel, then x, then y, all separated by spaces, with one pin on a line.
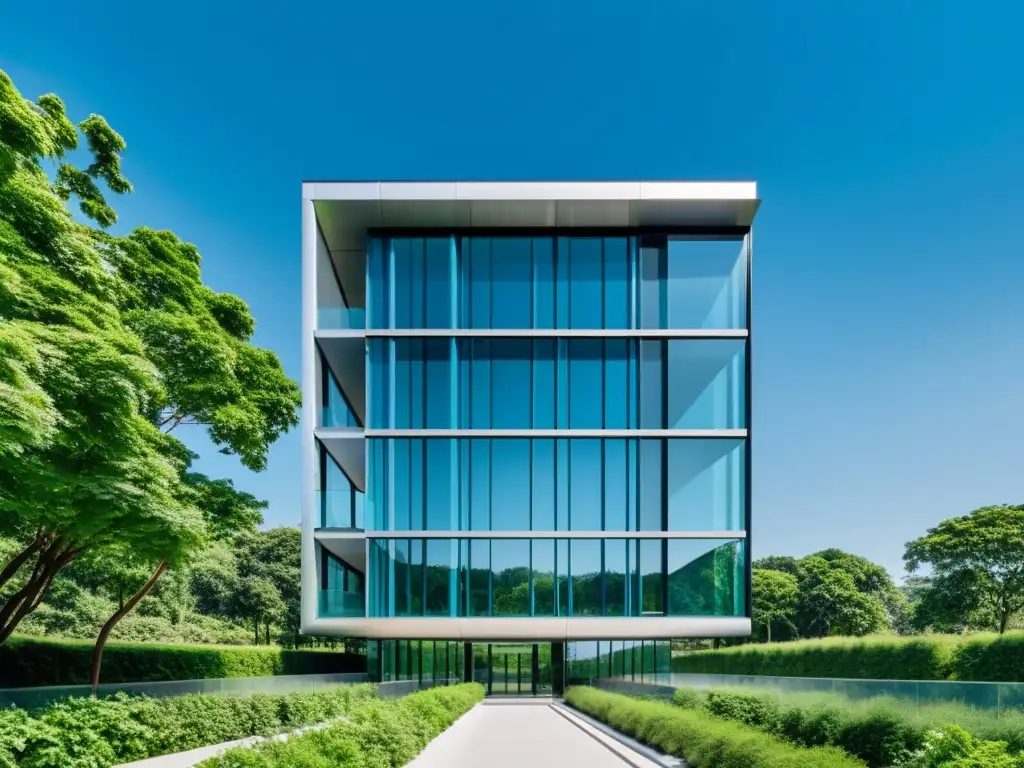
pixel 703 740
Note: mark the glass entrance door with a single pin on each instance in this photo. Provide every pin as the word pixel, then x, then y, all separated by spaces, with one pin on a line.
pixel 514 669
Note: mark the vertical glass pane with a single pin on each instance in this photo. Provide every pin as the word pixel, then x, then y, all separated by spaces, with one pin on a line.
pixel 616 283
pixel 543 485
pixel 417 283
pixel 417 497
pixel 401 282
pixel 543 577
pixel 705 283
pixel 704 578
pixel 652 283
pixel 376 286
pixel 616 384
pixel 585 289
pixel 708 383
pixel 615 485
pixel 511 586
pixel 479 577
pixel 706 484
pixel 586 383
pixel 438 292
pixel 562 484
pixel 511 383
pixel 615 577
pixel 402 578
pixel 651 390
pixel 562 282
pixel 510 477
pixel 543 282
pixel 544 384
pixel 402 383
pixel 441 502
pixel 480 485
pixel 512 273
pixel 562 577
pixel 416 580
pixel 585 567
pixel 479 278
pixel 439 577
pixel 480 384
pixel 417 383
pixel 586 485
pixel 652 577
pixel 650 485
pixel 438 411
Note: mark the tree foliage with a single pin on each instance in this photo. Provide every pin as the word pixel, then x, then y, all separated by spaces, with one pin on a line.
pixel 775 599
pixel 107 344
pixel 976 559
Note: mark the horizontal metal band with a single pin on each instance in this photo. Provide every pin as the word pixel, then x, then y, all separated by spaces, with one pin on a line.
pixel 536 629
pixel 567 433
pixel 326 533
pixel 610 333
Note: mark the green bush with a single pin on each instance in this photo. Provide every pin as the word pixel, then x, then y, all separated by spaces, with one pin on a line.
pixel 882 657
pixel 953 747
pixel 29 662
pixel 883 731
pixel 982 657
pixel 703 740
pixel 381 734
pixel 96 733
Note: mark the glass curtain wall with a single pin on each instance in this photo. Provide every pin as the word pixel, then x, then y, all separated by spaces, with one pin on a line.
pixel 557 281
pixel 420 660
pixel 550 577
pixel 577 383
pixel 640 660
pixel 522 484
pixel 339 503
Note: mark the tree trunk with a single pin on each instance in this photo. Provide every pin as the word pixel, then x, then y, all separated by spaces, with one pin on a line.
pixel 266 626
pixel 769 630
pixel 101 640
pixel 256 625
pixel 21 558
pixel 27 599
pixel 1004 620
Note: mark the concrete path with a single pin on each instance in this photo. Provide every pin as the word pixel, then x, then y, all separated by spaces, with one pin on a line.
pixel 525 733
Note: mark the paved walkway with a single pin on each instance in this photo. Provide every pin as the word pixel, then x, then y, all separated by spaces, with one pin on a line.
pixel 525 733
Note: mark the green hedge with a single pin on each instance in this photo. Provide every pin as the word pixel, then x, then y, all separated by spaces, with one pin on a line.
pixel 703 740
pixel 882 731
pixel 381 734
pixel 930 657
pixel 28 662
pixel 102 732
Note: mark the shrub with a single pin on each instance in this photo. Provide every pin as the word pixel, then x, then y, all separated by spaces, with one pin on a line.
pixel 882 657
pixel 381 734
pixel 29 662
pixel 104 732
pixel 953 747
pixel 701 739
pixel 883 731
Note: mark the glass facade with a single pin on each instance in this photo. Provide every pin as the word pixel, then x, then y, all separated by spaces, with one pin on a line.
pixel 545 383
pixel 342 588
pixel 557 281
pixel 556 484
pixel 556 577
pixel 640 332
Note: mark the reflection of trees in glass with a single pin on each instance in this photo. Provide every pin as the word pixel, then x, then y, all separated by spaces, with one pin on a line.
pixel 707 585
pixel 511 588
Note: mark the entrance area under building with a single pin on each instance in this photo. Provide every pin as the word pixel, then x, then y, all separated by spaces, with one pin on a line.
pixel 521 668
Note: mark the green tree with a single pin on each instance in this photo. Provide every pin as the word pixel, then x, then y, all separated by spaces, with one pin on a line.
pixel 774 595
pixel 980 556
pixel 257 600
pixel 830 604
pixel 782 563
pixel 109 344
pixel 275 556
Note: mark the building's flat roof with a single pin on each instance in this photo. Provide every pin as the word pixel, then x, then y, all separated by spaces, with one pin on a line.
pixel 346 210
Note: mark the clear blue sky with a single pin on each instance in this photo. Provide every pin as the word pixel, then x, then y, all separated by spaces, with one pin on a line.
pixel 887 138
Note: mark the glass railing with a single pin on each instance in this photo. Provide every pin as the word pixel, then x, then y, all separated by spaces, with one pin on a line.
pixel 340 509
pixel 341 318
pixel 927 699
pixel 336 604
pixel 338 414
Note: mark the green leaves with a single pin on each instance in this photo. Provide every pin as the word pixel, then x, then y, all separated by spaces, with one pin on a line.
pixel 975 559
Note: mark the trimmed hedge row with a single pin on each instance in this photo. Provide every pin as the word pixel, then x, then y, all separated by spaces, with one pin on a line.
pixel 881 731
pixel 28 662
pixel 104 732
pixel 703 740
pixel 381 734
pixel 985 657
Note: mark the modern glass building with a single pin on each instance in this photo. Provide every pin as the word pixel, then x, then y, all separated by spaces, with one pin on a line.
pixel 526 432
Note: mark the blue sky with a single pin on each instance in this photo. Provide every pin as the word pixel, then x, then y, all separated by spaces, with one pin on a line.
pixel 887 139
